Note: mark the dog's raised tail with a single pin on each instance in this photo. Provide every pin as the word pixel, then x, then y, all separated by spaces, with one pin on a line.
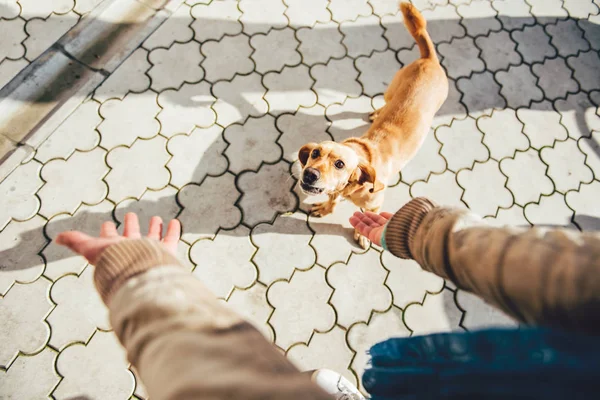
pixel 417 26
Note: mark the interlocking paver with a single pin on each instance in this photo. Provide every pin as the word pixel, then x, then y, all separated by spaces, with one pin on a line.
pixel 282 247
pixel 266 59
pixel 555 78
pixel 325 350
pixel 184 109
pixel 479 17
pixel 485 189
pixel 296 316
pixel 567 37
pixel 481 93
pixel 373 68
pixel 266 192
pixel 224 94
pixel 407 281
pixel 128 119
pixel 78 312
pixel 337 80
pixel 363 35
pixel 17 193
pixel 98 369
pixel 479 314
pixel 22 311
pixel 320 43
pixel 462 144
pixel 519 86
pixel 503 133
pixel 240 98
pixel 173 66
pixel 229 56
pixel 252 143
pixel 137 168
pixel 222 276
pixel 527 178
pixel 498 50
pixel 380 327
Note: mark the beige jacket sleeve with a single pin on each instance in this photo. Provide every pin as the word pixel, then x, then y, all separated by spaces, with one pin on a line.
pixel 184 343
pixel 545 277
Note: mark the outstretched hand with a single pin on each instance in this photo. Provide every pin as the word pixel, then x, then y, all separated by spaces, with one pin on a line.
pixel 370 224
pixel 91 247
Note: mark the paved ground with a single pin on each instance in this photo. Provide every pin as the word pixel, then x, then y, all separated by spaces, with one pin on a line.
pixel 203 122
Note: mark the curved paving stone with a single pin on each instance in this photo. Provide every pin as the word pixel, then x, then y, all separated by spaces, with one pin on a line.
pixel 580 9
pixel 395 32
pixel 542 124
pixel 174 29
pixel 461 57
pixel 22 311
pixel 305 126
pixel 252 143
pixel 479 17
pixel 441 188
pixel 498 50
pixel 79 310
pixel 10 68
pixel 408 281
pixel 266 59
pixel 445 23
pixel 320 43
pixel 227 57
pixel 380 327
pixel 99 369
pixel 42 33
pixel 337 80
pixel 282 247
pixel 527 178
pixel 205 147
pixel 186 108
pixel 240 98
pixel 252 304
pixel 259 16
pixel 383 7
pixel 533 44
pixel 585 204
pixel 485 189
pixel 16 381
pixel 377 71
pixel 481 93
pixel 73 181
pixel 349 10
pixel 481 315
pixel 579 115
pixel 585 66
pixel 350 118
pixel 462 144
pixel 551 211
pixel 555 78
pixel 519 86
pixel 503 133
pixel 128 119
pixel 307 12
pixel 10 9
pixel 266 193
pixel 513 216
pixel 566 165
pixel 437 313
pixel 208 207
pixel 514 14
pixel 220 275
pixel 363 35
pixel 289 89
pixel 129 77
pixel 212 21
pixel 11 45
pixel 591 32
pixel 567 37
pixel 17 193
pixel 452 107
pixel 359 288
pixel 591 148
pixel 32 8
pixel 427 160
pixel 296 316
pixel 137 168
pixel 548 8
pixel 178 64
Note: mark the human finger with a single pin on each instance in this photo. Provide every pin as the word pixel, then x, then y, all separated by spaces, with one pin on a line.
pixel 155 228
pixel 108 230
pixel 132 226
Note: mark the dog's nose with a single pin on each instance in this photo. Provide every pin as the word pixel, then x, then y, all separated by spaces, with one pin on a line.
pixel 311 175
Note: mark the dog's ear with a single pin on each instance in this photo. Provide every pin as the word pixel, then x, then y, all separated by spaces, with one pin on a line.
pixel 367 174
pixel 304 153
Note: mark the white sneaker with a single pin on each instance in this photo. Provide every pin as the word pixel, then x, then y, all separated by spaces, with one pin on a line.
pixel 336 385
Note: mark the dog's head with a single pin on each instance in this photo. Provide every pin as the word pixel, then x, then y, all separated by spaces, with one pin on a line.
pixel 329 167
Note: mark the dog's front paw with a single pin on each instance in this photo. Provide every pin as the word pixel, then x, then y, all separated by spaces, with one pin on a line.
pixel 321 209
pixel 373 115
pixel 362 241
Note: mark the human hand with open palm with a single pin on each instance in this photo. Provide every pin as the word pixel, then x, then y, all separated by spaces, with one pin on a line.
pixel 92 247
pixel 371 225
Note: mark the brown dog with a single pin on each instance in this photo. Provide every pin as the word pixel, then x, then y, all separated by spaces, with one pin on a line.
pixel 358 168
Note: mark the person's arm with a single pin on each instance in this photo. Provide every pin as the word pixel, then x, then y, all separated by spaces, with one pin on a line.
pixel 183 342
pixel 539 276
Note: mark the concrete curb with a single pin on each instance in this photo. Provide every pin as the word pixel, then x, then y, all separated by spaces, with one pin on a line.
pixel 43 94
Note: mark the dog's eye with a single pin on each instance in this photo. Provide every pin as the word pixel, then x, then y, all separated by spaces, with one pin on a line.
pixel 315 153
pixel 339 164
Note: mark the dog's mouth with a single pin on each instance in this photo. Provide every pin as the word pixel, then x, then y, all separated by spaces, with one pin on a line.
pixel 310 189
